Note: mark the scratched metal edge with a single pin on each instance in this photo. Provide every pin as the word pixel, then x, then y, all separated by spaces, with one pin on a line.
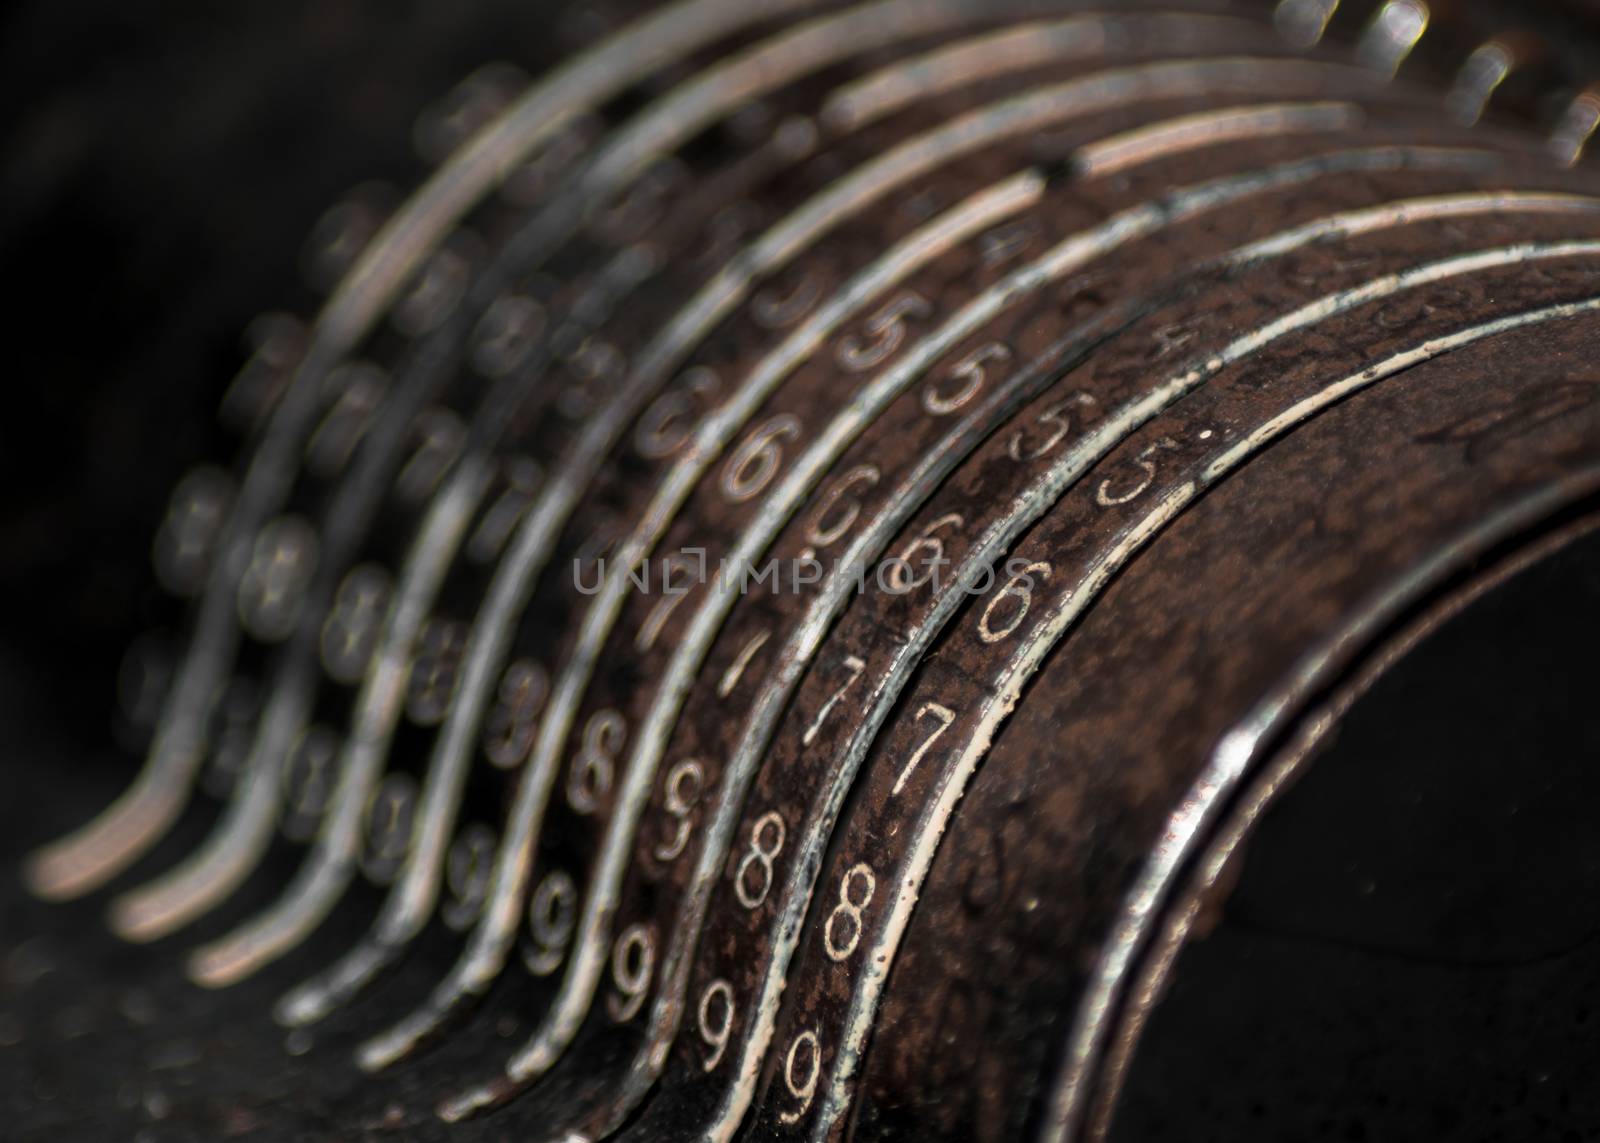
pixel 1154 905
pixel 1447 260
pixel 1305 731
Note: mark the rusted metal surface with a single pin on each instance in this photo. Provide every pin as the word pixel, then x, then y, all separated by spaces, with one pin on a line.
pixel 1104 389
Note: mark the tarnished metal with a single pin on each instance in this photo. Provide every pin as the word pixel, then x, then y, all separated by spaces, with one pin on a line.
pixel 780 578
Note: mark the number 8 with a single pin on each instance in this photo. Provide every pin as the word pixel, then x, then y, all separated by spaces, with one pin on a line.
pixel 595 765
pixel 851 910
pixel 759 857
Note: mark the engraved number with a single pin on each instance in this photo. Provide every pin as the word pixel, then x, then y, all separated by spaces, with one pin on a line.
pixel 855 894
pixel 390 816
pixel 753 465
pixel 194 519
pixel 552 915
pixel 280 568
pixel 718 997
pixel 1106 497
pixel 633 959
pixel 766 842
pixel 773 311
pixel 944 716
pixel 888 330
pixel 855 666
pixel 440 438
pixel 360 391
pixel 1058 424
pixel 350 632
pixel 685 783
pixel 596 764
pixel 969 372
pixel 665 424
pixel 506 334
pixel 522 477
pixel 508 731
pixel 1018 587
pixel 677 577
pixel 804 1091
pixel 823 531
pixel 929 549
pixel 433 671
pixel 308 782
pixel 467 869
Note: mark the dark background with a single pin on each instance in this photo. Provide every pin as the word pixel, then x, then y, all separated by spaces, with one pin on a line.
pixel 162 167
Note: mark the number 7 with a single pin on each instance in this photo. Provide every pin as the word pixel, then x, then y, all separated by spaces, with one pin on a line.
pixel 945 716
